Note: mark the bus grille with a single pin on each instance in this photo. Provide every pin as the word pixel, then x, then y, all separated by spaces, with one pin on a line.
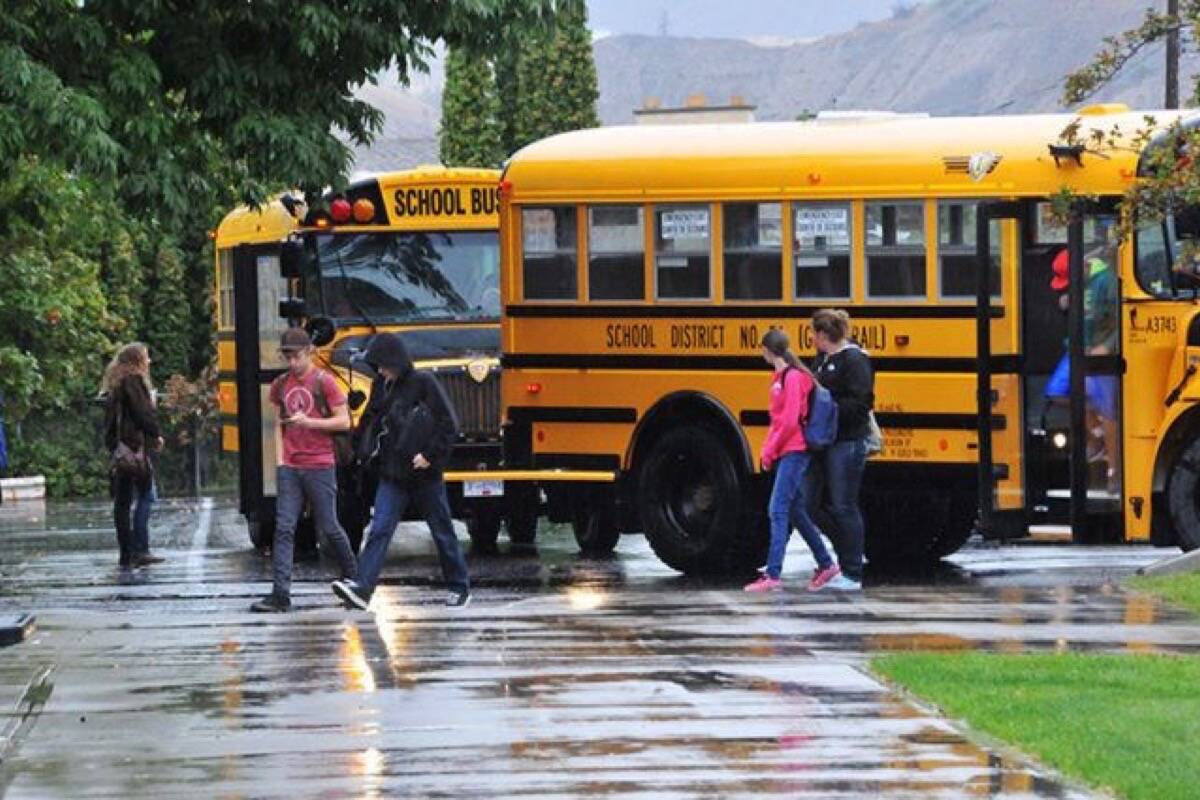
pixel 476 404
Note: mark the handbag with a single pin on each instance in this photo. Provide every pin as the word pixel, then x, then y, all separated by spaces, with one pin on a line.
pixel 125 460
pixel 874 437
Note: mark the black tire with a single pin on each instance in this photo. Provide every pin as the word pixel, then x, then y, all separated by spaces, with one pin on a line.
pixel 484 529
pixel 594 521
pixel 692 503
pixel 522 517
pixel 1183 497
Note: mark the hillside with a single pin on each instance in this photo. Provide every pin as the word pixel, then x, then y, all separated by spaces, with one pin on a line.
pixel 948 57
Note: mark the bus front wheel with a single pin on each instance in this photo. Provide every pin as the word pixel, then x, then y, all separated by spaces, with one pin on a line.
pixel 484 529
pixel 1183 497
pixel 690 500
pixel 522 517
pixel 594 521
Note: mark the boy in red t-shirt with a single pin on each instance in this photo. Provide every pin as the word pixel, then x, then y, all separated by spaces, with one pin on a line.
pixel 311 409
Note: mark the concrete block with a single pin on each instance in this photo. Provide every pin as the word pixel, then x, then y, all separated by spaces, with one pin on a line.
pixel 15 490
pixel 1187 562
pixel 15 628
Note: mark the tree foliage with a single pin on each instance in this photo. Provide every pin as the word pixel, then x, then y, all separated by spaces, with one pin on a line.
pixel 1117 51
pixel 470 134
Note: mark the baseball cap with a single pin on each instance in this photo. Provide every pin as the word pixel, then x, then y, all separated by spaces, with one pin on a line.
pixel 294 339
pixel 1061 267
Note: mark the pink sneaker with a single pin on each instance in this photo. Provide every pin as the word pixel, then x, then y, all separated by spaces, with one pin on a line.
pixel 765 583
pixel 823 576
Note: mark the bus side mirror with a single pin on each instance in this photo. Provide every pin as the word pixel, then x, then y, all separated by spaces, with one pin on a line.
pixel 292 257
pixel 292 308
pixel 355 399
pixel 321 330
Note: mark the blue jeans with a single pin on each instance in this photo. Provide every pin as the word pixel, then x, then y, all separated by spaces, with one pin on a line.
pixel 320 487
pixel 839 468
pixel 133 538
pixel 787 508
pixel 391 499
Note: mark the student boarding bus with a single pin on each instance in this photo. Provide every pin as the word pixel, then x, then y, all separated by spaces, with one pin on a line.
pixel 413 252
pixel 642 266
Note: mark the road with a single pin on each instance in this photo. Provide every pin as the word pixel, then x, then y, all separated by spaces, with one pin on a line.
pixel 564 678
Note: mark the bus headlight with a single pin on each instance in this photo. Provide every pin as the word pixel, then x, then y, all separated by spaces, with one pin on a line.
pixel 1059 439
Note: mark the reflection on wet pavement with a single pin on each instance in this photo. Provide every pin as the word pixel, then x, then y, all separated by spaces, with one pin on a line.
pixel 564 678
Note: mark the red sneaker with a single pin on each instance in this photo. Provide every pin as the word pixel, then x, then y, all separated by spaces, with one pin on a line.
pixel 765 583
pixel 823 576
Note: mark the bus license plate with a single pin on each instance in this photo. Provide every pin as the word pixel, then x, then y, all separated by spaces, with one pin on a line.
pixel 483 488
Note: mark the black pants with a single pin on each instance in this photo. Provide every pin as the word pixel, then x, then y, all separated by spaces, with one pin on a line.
pixel 133 536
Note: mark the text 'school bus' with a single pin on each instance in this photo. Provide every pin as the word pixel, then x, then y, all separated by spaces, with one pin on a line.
pixel 641 267
pixel 414 253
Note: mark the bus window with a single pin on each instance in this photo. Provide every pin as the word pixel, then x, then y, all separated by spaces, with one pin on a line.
pixel 956 250
pixel 753 251
pixel 1154 259
pixel 682 252
pixel 895 238
pixel 225 288
pixel 402 277
pixel 822 250
pixel 549 239
pixel 616 253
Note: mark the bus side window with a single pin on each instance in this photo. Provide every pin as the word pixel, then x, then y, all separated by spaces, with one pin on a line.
pixel 616 253
pixel 548 237
pixel 895 234
pixel 753 251
pixel 821 246
pixel 682 252
pixel 956 250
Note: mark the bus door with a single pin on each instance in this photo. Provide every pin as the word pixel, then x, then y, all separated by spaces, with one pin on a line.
pixel 258 290
pixel 1094 354
pixel 999 389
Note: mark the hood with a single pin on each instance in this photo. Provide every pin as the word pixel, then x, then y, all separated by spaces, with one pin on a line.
pixel 388 350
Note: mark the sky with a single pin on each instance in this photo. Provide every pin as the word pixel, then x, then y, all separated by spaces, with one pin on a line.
pixel 740 19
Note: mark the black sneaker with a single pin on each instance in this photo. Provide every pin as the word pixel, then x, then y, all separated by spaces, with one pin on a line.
pixel 351 594
pixel 458 599
pixel 272 604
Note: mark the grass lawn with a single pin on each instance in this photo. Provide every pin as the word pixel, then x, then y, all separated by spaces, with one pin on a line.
pixel 1129 723
pixel 1183 590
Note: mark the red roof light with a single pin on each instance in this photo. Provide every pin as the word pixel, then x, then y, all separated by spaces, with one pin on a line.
pixel 340 210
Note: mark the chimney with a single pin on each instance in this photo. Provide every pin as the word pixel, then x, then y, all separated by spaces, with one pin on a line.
pixel 695 101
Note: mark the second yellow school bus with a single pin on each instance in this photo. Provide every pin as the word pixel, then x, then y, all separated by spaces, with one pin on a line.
pixel 641 267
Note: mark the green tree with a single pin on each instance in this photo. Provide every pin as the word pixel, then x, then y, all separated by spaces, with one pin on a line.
pixel 470 134
pixel 166 324
pixel 556 79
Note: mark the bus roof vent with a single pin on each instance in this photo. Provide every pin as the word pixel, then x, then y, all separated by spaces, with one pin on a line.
pixel 956 165
pixel 1102 109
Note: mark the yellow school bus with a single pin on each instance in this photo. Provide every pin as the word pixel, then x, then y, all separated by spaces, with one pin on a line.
pixel 414 253
pixel 641 267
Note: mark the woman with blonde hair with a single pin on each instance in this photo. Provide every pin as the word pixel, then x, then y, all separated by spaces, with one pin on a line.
pixel 130 431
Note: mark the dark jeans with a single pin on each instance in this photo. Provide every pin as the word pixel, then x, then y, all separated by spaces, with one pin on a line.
pixel 133 536
pixel 391 499
pixel 839 469
pixel 787 508
pixel 320 487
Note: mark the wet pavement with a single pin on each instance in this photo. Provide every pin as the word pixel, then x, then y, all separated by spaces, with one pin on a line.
pixel 565 677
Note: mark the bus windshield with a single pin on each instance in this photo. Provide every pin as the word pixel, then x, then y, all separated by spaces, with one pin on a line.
pixel 400 277
pixel 1162 269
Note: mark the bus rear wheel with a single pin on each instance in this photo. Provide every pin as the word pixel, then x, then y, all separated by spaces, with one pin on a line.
pixel 594 521
pixel 916 527
pixel 691 500
pixel 1183 497
pixel 484 529
pixel 522 516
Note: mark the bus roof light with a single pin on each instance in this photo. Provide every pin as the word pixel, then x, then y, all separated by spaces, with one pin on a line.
pixel 364 211
pixel 506 188
pixel 340 210
pixel 533 388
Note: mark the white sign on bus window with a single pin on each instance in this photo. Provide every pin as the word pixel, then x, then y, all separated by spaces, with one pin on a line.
pixel 680 223
pixel 537 225
pixel 830 224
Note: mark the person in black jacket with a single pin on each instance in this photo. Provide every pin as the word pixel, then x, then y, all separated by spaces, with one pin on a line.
pixel 404 437
pixel 130 417
pixel 845 370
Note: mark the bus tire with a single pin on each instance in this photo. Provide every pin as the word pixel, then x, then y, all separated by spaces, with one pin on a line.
pixel 522 515
pixel 594 521
pixel 484 529
pixel 916 528
pixel 690 500
pixel 1183 497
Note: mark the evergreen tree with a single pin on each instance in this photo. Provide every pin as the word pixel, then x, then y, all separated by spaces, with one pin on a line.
pixel 470 134
pixel 556 79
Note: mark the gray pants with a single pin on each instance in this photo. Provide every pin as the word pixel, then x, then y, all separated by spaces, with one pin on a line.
pixel 320 487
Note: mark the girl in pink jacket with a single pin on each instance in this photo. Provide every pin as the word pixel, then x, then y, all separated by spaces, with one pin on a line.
pixel 786 451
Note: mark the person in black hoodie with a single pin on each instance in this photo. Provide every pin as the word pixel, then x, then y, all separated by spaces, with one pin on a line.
pixel 130 418
pixel 845 370
pixel 404 438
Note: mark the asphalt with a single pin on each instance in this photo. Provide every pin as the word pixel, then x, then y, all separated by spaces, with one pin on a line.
pixel 565 677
